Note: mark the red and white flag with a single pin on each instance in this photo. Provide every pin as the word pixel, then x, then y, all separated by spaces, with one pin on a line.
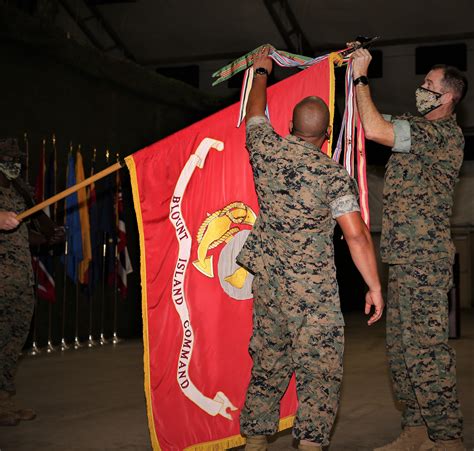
pixel 195 204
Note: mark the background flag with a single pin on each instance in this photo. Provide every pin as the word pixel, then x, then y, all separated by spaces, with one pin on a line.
pixel 195 204
pixel 42 260
pixel 124 266
pixel 84 222
pixel 72 223
pixel 96 240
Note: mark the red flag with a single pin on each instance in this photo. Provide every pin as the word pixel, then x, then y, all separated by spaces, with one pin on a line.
pixel 195 204
pixel 42 260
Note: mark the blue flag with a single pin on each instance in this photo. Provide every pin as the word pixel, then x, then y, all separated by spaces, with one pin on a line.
pixel 73 223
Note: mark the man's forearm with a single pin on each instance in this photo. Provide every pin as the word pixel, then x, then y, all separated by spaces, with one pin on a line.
pixel 363 255
pixel 376 128
pixel 258 97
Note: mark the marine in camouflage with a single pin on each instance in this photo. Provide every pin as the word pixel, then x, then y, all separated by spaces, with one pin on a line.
pixel 298 325
pixel 416 242
pixel 419 191
pixel 16 285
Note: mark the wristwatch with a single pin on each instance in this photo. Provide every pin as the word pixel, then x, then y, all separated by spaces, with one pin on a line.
pixel 261 71
pixel 362 80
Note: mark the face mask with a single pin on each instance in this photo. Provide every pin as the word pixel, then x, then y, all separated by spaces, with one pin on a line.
pixel 427 100
pixel 10 169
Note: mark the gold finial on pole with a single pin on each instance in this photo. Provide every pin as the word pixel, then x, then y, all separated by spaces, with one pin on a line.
pixel 107 155
pixel 94 155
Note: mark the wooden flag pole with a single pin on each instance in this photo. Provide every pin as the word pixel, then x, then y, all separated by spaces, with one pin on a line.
pixel 70 190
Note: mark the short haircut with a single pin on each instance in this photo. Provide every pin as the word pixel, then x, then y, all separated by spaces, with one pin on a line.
pixel 454 80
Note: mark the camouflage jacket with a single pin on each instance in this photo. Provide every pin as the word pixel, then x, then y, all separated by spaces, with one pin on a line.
pixel 418 191
pixel 15 257
pixel 300 191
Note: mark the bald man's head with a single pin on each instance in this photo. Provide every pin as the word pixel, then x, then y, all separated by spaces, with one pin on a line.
pixel 310 118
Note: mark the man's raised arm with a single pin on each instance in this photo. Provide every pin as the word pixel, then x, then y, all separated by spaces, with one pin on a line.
pixel 376 128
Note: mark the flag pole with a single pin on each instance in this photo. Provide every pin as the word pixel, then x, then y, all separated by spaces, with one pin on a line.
pixel 50 347
pixel 102 339
pixel 70 190
pixel 27 151
pixel 90 341
pixel 35 350
pixel 77 343
pixel 34 346
pixel 64 345
pixel 115 338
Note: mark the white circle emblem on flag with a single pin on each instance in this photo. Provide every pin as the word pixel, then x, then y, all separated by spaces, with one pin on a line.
pixel 234 280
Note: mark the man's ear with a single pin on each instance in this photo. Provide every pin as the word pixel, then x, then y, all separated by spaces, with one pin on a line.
pixel 290 126
pixel 447 98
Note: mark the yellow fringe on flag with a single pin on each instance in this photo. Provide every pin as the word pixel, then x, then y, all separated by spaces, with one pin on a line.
pixel 146 354
pixel 334 58
pixel 236 440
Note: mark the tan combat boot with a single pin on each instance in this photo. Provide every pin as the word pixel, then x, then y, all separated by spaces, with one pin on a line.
pixel 22 413
pixel 444 445
pixel 8 418
pixel 256 443
pixel 309 446
pixel 411 438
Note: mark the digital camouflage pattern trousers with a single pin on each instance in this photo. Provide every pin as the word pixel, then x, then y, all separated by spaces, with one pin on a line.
pixel 16 310
pixel 422 364
pixel 282 343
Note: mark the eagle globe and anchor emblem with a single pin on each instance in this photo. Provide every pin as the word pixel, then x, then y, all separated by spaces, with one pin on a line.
pixel 223 227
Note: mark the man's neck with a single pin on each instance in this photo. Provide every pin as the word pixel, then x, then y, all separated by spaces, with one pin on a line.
pixel 318 142
pixel 439 113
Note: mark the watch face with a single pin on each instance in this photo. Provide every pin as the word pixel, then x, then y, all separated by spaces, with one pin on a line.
pixel 261 71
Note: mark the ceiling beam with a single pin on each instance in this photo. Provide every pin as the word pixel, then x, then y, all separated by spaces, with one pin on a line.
pixel 288 26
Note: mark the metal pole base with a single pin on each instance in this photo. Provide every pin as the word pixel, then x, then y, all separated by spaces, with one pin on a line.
pixel 50 348
pixel 90 343
pixel 115 339
pixel 77 343
pixel 103 340
pixel 34 349
pixel 64 345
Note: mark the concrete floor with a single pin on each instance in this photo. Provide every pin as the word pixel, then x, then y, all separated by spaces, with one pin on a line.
pixel 92 399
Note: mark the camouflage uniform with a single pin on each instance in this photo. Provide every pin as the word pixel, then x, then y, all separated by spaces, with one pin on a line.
pixel 16 288
pixel 416 242
pixel 298 325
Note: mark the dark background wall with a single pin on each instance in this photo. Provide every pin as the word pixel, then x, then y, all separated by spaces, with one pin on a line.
pixel 51 85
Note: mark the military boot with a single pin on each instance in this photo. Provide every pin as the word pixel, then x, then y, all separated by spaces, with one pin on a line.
pixel 7 404
pixel 443 445
pixel 8 418
pixel 411 438
pixel 309 446
pixel 256 443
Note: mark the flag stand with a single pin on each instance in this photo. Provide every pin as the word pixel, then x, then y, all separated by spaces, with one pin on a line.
pixel 102 339
pixel 35 350
pixel 50 347
pixel 77 343
pixel 90 341
pixel 64 345
pixel 115 338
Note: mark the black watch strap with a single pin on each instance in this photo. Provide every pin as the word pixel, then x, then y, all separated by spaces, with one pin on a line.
pixel 362 80
pixel 261 71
